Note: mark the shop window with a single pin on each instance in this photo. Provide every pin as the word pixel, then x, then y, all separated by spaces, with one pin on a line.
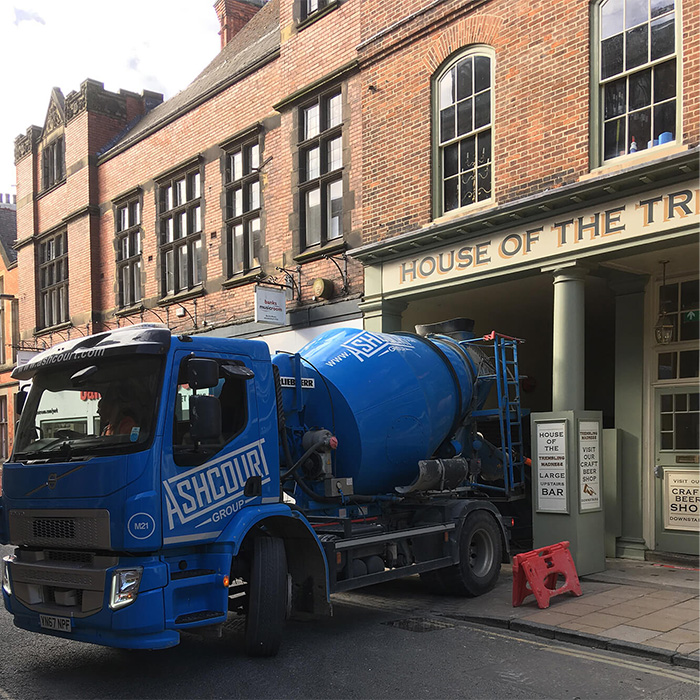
pixel 464 124
pixel 680 303
pixel 321 170
pixel 180 223
pixel 243 207
pixel 637 75
pixel 680 421
pixel 53 280
pixel 52 163
pixel 128 244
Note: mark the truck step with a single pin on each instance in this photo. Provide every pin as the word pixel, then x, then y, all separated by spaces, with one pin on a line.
pixel 198 616
pixel 190 573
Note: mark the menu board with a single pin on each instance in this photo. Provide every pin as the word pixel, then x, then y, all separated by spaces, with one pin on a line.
pixel 682 500
pixel 551 467
pixel 589 465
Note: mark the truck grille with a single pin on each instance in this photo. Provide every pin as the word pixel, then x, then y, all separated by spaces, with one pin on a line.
pixel 44 529
pixel 74 557
pixel 66 529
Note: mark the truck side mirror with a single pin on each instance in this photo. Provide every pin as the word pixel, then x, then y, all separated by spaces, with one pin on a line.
pixel 202 373
pixel 20 400
pixel 205 418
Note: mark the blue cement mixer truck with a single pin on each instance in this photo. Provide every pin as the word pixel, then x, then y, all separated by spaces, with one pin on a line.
pixel 236 483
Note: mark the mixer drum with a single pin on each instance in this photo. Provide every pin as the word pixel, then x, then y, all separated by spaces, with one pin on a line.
pixel 391 400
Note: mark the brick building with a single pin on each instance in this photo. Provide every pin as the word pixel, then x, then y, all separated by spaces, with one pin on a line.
pixel 9 321
pixel 526 164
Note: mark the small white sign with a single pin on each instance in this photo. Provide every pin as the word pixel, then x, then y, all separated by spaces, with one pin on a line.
pixel 682 499
pixel 270 306
pixel 291 382
pixel 551 467
pixel 589 465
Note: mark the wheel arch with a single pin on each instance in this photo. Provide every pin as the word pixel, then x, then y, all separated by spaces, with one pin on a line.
pixel 460 511
pixel 306 562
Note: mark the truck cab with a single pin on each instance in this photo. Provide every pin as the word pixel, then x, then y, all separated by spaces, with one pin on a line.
pixel 119 533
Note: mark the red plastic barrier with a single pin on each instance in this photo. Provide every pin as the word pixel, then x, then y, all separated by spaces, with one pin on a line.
pixel 537 573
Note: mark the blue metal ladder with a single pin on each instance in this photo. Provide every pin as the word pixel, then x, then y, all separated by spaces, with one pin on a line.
pixel 509 411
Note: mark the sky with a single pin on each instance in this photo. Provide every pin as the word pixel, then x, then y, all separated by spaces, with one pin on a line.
pixel 159 45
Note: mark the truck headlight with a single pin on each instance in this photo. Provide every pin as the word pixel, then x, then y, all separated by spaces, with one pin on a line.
pixel 6 585
pixel 125 587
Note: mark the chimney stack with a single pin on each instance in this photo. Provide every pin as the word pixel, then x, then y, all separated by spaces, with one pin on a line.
pixel 234 15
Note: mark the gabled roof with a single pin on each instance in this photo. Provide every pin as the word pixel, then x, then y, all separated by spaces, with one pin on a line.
pixel 257 41
pixel 56 112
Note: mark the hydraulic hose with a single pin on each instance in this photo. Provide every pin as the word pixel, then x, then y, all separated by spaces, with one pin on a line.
pixel 302 459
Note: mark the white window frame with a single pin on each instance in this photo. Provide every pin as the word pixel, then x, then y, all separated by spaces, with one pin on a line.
pixel 625 146
pixel 463 104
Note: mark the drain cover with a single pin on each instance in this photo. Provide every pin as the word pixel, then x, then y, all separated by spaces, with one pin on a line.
pixel 420 624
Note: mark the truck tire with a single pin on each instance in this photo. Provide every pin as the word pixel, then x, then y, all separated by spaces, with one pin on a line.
pixel 267 597
pixel 480 553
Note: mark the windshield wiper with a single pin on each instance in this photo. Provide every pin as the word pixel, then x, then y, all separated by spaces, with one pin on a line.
pixel 57 451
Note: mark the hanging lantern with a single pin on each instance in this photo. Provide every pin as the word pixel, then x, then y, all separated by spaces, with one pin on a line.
pixel 663 330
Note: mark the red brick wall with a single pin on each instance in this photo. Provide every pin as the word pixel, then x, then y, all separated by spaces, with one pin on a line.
pixel 542 97
pixel 319 48
pixel 541 102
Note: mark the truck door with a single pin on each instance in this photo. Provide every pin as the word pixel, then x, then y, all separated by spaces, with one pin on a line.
pixel 205 483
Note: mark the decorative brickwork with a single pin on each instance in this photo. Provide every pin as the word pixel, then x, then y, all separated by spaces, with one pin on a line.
pixel 467 31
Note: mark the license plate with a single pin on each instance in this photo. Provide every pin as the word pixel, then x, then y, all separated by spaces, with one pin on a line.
pixel 58 624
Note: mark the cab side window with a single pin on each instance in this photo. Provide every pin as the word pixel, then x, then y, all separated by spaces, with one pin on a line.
pixel 231 391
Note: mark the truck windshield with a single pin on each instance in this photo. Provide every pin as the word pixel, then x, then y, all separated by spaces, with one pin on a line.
pixel 90 408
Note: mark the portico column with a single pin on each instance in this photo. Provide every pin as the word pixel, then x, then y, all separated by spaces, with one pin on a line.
pixel 566 465
pixel 568 356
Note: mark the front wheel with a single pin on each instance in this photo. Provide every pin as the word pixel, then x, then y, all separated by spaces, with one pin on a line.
pixel 480 554
pixel 267 597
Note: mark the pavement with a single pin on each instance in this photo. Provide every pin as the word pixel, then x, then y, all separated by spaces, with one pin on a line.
pixel 649 609
pixel 643 608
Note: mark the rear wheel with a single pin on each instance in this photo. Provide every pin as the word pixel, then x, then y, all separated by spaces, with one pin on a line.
pixel 267 597
pixel 480 554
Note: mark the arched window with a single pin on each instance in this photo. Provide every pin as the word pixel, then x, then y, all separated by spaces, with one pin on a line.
pixel 637 75
pixel 464 95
